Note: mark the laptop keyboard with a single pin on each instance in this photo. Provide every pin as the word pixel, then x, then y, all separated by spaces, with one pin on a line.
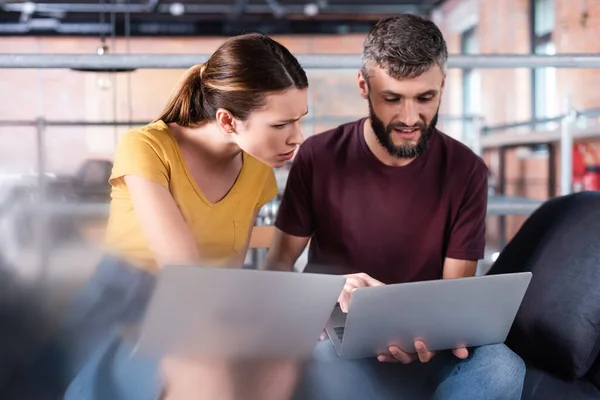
pixel 339 331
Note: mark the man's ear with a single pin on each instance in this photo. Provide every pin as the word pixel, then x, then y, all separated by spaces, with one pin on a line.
pixel 363 85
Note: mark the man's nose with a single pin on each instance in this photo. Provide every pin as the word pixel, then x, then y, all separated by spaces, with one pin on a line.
pixel 409 113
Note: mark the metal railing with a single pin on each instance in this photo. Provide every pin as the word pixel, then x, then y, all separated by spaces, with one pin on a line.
pixel 309 61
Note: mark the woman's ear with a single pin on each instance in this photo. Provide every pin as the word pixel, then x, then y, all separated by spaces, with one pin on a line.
pixel 225 121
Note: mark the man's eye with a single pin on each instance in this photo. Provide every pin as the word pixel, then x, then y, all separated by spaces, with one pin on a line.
pixel 392 100
pixel 280 126
pixel 425 99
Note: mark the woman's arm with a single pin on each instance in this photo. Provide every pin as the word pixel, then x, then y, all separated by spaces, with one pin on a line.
pixel 163 226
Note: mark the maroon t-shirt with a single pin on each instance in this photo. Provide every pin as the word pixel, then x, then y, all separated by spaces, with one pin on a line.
pixel 396 224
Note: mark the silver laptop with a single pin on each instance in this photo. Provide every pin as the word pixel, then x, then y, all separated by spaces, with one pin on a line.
pixel 204 313
pixel 445 314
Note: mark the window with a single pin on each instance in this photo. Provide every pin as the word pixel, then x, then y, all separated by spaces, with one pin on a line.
pixel 544 101
pixel 545 85
pixel 471 80
pixel 543 17
pixel 471 84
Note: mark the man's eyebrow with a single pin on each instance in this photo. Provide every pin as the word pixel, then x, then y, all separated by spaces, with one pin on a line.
pixel 430 92
pixel 287 121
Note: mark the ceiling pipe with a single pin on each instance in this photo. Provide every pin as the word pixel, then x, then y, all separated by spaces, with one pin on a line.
pixel 211 8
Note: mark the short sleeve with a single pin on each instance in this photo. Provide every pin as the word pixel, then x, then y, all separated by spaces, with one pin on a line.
pixel 467 239
pixel 269 190
pixel 296 216
pixel 138 154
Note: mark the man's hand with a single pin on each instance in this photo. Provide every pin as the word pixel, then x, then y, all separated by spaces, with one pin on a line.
pixel 422 354
pixel 353 282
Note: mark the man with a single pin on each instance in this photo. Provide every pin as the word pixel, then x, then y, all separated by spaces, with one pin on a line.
pixel 389 199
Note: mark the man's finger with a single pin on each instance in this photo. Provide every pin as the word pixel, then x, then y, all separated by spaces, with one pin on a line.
pixel 344 298
pixel 424 355
pixel 343 301
pixel 386 358
pixel 349 287
pixel 401 356
pixel 369 280
pixel 355 282
pixel 461 352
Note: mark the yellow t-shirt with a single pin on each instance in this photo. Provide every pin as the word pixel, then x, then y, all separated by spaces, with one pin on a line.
pixel 221 229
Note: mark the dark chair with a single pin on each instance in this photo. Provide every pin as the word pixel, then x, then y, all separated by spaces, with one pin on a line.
pixel 557 328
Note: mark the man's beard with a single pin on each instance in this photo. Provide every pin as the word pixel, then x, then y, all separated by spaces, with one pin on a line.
pixel 408 151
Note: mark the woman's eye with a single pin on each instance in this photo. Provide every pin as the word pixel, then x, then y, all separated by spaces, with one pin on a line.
pixel 280 126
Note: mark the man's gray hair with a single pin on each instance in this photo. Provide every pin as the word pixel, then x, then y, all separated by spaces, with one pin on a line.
pixel 405 46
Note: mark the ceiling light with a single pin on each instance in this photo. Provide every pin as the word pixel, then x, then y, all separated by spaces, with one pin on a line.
pixel 311 9
pixel 177 9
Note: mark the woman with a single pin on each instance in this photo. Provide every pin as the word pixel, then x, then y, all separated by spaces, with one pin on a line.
pixel 185 190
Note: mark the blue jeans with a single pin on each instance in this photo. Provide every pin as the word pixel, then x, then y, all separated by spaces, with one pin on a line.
pixel 490 373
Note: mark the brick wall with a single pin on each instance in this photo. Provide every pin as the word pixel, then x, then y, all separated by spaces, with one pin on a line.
pixel 67 95
pixel 503 27
pixel 576 34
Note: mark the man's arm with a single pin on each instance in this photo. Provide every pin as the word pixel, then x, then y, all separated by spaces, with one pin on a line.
pixel 454 268
pixel 295 221
pixel 467 237
pixel 284 251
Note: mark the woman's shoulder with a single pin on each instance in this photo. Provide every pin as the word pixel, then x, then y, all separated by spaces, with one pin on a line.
pixel 152 138
pixel 154 133
pixel 144 151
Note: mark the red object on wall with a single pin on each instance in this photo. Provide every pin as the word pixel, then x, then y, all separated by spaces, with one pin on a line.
pixel 591 179
pixel 578 168
pixel 578 161
pixel 586 168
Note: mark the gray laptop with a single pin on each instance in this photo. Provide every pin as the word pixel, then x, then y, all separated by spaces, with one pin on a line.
pixel 204 313
pixel 444 314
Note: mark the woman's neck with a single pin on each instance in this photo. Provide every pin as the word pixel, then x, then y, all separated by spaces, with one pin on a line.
pixel 207 140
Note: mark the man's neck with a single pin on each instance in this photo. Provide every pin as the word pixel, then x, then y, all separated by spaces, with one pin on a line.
pixel 379 151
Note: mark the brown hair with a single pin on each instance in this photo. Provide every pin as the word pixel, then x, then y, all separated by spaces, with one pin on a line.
pixel 237 77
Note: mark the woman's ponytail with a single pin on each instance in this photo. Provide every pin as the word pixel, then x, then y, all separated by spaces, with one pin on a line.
pixel 185 107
